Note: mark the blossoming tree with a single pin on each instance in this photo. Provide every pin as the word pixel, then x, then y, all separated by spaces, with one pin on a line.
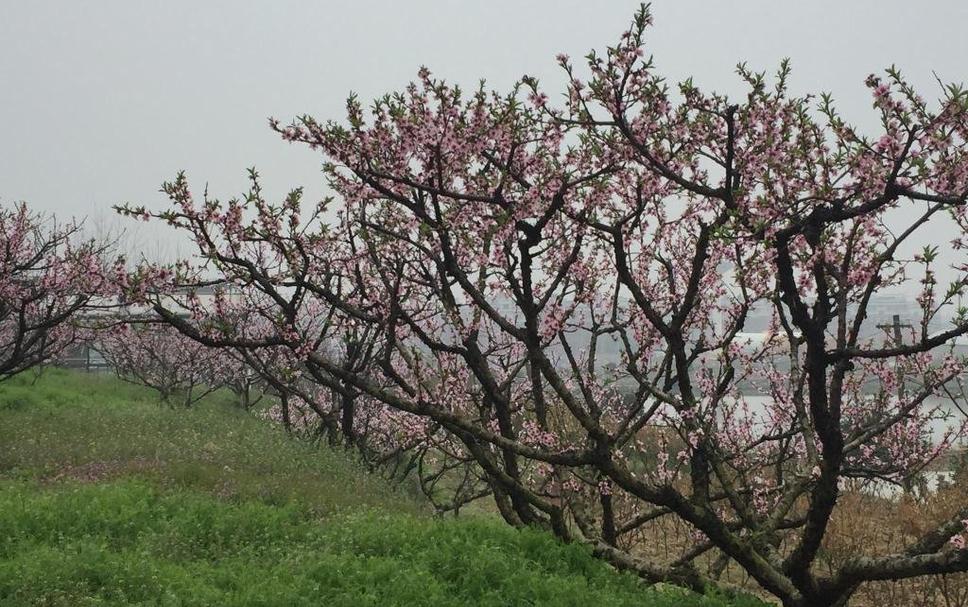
pixel 566 290
pixel 180 369
pixel 48 275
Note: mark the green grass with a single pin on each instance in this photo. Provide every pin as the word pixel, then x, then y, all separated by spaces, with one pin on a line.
pixel 108 499
pixel 67 425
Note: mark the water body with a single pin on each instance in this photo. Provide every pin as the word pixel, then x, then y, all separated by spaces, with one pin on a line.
pixel 949 415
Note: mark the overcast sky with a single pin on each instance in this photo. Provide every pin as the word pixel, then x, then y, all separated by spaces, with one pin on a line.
pixel 102 101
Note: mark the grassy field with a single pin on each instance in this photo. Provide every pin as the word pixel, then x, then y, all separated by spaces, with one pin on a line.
pixel 107 498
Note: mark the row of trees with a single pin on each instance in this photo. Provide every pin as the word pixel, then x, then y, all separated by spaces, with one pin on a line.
pixel 182 370
pixel 447 311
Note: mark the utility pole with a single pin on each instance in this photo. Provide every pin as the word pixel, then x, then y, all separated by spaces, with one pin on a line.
pixel 895 327
pixel 894 330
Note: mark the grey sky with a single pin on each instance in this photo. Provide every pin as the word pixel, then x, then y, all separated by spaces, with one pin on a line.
pixel 102 101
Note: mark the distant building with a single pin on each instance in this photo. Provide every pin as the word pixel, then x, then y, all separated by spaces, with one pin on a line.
pixel 84 354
